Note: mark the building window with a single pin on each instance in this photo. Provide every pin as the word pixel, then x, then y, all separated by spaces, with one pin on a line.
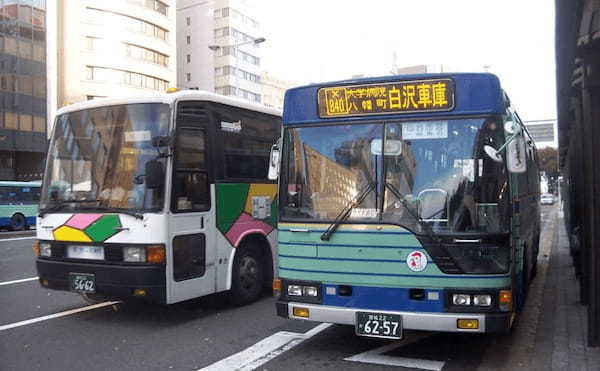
pixel 125 77
pixel 25 122
pixel 11 120
pixel 188 77
pixel 122 21
pixel 188 21
pixel 188 58
pixel 188 39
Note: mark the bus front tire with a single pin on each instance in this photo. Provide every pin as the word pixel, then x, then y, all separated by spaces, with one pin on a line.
pixel 17 222
pixel 247 277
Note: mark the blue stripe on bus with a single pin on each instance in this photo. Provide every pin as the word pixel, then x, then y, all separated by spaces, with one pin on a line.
pixel 344 259
pixel 344 245
pixel 398 275
pixel 355 232
pixel 384 298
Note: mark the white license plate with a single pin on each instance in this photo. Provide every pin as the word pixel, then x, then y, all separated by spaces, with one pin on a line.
pixel 85 252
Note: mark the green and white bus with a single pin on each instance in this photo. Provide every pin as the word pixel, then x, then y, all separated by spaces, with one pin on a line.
pixel 160 198
pixel 406 202
pixel 19 204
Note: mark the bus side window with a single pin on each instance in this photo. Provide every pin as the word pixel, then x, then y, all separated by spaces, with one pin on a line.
pixel 3 195
pixel 191 190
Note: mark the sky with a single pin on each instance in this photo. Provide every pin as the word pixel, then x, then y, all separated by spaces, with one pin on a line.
pixel 325 40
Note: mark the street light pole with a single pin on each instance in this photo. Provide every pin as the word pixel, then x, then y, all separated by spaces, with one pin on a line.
pixel 236 49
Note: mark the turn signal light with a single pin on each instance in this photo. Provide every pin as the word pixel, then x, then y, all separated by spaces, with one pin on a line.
pixel 301 312
pixel 276 284
pixel 155 254
pixel 139 292
pixel 505 300
pixel 36 248
pixel 468 324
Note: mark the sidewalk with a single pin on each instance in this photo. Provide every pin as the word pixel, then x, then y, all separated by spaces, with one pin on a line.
pixel 551 330
pixel 561 337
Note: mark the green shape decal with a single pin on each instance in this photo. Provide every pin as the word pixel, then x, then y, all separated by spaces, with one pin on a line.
pixel 231 200
pixel 103 228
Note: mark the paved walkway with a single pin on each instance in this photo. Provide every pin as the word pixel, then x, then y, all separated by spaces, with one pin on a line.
pixel 551 333
pixel 561 338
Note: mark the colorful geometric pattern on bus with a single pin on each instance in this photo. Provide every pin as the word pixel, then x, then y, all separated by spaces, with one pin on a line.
pixel 88 228
pixel 245 208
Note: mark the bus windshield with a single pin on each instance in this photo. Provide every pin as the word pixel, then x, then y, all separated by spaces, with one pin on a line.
pixel 97 158
pixel 423 175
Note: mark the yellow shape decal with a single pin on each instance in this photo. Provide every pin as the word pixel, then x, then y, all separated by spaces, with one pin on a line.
pixel 256 190
pixel 66 233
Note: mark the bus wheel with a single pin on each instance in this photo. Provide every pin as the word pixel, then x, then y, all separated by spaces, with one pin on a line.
pixel 17 222
pixel 248 277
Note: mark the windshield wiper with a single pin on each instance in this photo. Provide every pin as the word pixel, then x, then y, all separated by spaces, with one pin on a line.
pixel 345 213
pixel 133 213
pixel 61 204
pixel 426 227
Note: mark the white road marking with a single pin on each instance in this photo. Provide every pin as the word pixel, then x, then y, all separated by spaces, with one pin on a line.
pixel 57 315
pixel 265 350
pixel 18 281
pixel 17 239
pixel 376 356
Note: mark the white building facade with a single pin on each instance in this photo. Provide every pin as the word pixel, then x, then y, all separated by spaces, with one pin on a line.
pixel 109 48
pixel 217 48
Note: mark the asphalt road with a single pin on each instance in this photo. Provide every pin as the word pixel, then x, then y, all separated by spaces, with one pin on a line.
pixel 37 334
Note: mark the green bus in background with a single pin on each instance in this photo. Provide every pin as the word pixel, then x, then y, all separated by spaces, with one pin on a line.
pixel 19 204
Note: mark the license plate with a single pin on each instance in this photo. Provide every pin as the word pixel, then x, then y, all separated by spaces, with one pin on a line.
pixel 85 252
pixel 379 325
pixel 82 282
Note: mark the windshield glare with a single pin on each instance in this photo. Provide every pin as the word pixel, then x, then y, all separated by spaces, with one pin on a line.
pixel 97 158
pixel 427 173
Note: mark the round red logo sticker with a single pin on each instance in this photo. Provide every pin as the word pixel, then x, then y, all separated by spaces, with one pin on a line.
pixel 416 261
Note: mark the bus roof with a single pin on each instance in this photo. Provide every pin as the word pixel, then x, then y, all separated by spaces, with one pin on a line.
pixel 474 94
pixel 33 183
pixel 169 98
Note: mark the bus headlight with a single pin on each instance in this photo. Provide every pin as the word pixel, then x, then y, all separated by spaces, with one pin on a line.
pixel 294 290
pixel 461 299
pixel 45 249
pixel 309 291
pixel 134 254
pixel 482 300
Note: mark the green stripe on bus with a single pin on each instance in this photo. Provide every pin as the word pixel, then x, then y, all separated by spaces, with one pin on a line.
pixel 388 281
pixel 356 266
pixel 407 240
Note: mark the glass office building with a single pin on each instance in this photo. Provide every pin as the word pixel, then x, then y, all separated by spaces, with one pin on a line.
pixel 22 89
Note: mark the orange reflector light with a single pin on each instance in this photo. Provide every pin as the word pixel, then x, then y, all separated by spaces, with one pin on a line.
pixel 301 312
pixel 468 324
pixel 139 292
pixel 155 254
pixel 506 300
pixel 44 282
pixel 36 248
pixel 276 284
pixel 505 297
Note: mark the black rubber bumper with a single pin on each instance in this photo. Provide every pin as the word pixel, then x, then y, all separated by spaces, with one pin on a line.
pixel 497 323
pixel 112 281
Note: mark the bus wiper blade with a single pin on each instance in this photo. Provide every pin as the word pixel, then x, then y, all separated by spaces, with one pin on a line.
pixel 345 213
pixel 426 227
pixel 50 209
pixel 133 213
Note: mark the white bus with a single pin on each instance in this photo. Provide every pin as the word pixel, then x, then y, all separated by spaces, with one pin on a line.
pixel 160 198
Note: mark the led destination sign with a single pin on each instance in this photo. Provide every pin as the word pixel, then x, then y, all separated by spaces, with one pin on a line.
pixel 395 97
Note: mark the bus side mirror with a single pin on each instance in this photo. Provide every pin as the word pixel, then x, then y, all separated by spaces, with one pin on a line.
pixel 274 162
pixel 155 174
pixel 516 160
